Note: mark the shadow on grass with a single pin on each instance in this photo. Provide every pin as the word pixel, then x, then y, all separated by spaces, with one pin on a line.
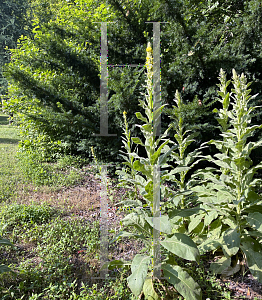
pixel 4 120
pixel 9 141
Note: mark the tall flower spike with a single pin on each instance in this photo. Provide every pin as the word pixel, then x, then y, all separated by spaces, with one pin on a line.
pixel 149 80
pixel 124 114
pixel 149 61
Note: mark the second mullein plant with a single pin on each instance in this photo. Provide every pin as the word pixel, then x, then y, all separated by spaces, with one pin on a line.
pixel 234 219
pixel 153 228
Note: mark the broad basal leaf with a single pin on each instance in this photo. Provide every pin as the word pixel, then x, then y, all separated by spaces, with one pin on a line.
pixel 230 270
pixel 253 253
pixel 137 141
pixel 182 246
pixel 208 245
pixel 139 268
pixel 220 265
pixel 127 234
pixel 231 238
pixel 137 220
pixel 149 291
pixel 160 223
pixel 255 221
pixel 141 168
pixel 182 282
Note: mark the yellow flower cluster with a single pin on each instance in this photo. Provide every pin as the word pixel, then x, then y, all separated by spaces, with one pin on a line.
pixel 149 58
pixel 149 49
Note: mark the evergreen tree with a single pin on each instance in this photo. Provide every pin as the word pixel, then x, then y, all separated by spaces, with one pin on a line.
pixel 55 75
pixel 14 22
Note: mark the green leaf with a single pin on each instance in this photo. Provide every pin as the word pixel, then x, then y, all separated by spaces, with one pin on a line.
pixel 160 223
pixel 183 283
pixel 163 158
pixel 182 246
pixel 185 212
pixel 114 264
pixel 220 265
pixel 255 220
pixel 4 269
pixel 140 117
pixel 253 208
pixel 230 221
pixel 253 252
pixel 138 221
pixel 139 269
pixel 156 155
pixel 208 245
pixel 232 241
pixel 210 216
pixel 179 170
pixel 195 220
pixel 141 168
pixel 149 290
pixel 137 141
pixel 5 242
pixel 229 271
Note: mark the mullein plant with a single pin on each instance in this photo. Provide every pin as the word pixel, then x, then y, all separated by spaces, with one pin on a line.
pixel 234 219
pixel 153 228
pixel 128 173
pixel 182 208
pixel 182 161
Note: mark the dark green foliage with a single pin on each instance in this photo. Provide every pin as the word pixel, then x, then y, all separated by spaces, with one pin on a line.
pixel 13 24
pixel 55 76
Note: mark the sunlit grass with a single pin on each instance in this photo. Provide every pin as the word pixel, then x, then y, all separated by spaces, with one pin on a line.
pixel 10 175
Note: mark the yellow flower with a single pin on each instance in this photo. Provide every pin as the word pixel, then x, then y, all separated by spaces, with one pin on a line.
pixel 149 49
pixel 124 113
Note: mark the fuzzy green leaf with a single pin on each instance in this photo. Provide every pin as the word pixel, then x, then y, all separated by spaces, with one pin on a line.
pixel 137 141
pixel 182 282
pixel 6 242
pixel 182 246
pixel 139 269
pixel 253 252
pixel 185 212
pixel 255 220
pixel 232 241
pixel 141 168
pixel 208 245
pixel 160 223
pixel 4 269
pixel 220 265
pixel 212 215
pixel 114 264
pixel 195 220
pixel 149 291
pixel 140 117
